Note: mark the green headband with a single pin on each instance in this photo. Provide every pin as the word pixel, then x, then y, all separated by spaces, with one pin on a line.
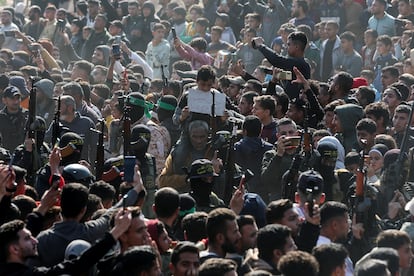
pixel 142 103
pixel 165 106
pixel 185 212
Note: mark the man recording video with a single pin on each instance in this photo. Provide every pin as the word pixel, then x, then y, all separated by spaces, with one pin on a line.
pixel 296 44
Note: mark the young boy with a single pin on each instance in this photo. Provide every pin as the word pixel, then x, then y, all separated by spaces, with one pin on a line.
pixel 368 50
pixel 251 58
pixel 158 53
pixel 196 104
pixel 385 58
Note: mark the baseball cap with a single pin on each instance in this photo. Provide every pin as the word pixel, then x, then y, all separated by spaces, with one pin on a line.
pixel 201 168
pixel 76 248
pixel 138 132
pixel 11 91
pixel 310 181
pixel 20 83
pixel 359 82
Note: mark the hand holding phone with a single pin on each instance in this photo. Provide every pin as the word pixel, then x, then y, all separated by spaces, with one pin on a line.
pixel 129 166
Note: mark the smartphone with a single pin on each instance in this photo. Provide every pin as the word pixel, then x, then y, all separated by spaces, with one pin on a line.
pixel 233 58
pixel 9 33
pixel 174 33
pixel 116 51
pixel 60 25
pixel 129 168
pixel 309 200
pixel 117 39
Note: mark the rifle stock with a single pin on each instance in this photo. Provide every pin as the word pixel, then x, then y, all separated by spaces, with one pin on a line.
pixel 100 152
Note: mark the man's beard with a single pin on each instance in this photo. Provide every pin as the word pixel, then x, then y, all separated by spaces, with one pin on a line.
pixel 229 247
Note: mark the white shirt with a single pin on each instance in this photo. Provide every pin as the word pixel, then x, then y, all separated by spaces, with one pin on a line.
pixel 349 266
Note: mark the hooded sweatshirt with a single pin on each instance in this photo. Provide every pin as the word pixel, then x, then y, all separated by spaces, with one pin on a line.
pixel 249 154
pixel 349 115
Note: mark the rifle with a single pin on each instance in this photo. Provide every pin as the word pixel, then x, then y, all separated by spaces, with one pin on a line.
pixel 302 156
pixel 164 78
pixel 213 125
pixel 229 163
pixel 56 124
pixel 126 127
pixel 100 152
pixel 395 177
pixel 31 133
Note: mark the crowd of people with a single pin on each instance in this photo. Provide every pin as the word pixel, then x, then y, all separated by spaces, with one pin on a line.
pixel 207 137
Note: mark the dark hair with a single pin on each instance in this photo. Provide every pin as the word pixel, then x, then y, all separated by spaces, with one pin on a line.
pixel 199 43
pixel 329 257
pixel 387 254
pixel 183 247
pixel 216 266
pixel 271 237
pixel 243 220
pixel 84 65
pixel 367 93
pixel 276 209
pixel 345 81
pixel 217 29
pixel 206 73
pixel 351 158
pixel 392 70
pixel 403 108
pixel 387 140
pixel 371 267
pixel 305 28
pixel 202 21
pixel 367 124
pixel 73 88
pixel 182 65
pixel 194 226
pixel 403 89
pixel 252 125
pixel 166 202
pixel 393 238
pixel 257 85
pixel 135 260
pixel 282 99
pixel 217 222
pixel 385 39
pixel 299 39
pixel 102 90
pixel 372 32
pixel 249 96
pixel 73 199
pixel 266 102
pixel 9 235
pixel 94 202
pixel 298 263
pixel 103 189
pixel 378 110
pixel 350 36
pixel 331 210
pixel 26 205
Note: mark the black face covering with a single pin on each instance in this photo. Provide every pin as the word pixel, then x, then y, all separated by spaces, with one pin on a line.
pixel 140 147
pixel 201 191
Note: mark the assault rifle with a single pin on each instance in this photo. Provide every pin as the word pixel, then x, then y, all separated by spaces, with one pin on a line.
pixel 31 133
pixel 100 152
pixel 126 126
pixel 395 175
pixel 301 159
pixel 56 124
